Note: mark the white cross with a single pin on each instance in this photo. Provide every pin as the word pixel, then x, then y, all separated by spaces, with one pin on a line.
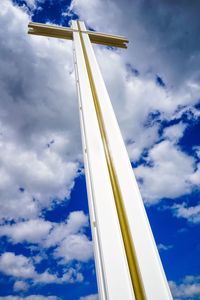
pixel 67 33
pixel 127 262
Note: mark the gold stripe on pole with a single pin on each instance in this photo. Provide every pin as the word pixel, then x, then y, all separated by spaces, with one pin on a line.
pixel 126 235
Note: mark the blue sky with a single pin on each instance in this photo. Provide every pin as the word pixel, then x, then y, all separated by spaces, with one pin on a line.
pixel 45 239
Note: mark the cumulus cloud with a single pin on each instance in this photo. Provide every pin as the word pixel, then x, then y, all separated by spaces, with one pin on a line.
pixel 139 103
pixel 190 213
pixel 163 36
pixel 188 288
pixel 41 143
pixel 39 137
pixel 71 242
pixel 67 238
pixel 72 276
pixel 195 177
pixel 167 173
pixel 138 97
pixel 174 132
pixel 76 223
pixel 75 247
pixel 32 231
pixel 16 265
pixel 20 286
pixel 19 266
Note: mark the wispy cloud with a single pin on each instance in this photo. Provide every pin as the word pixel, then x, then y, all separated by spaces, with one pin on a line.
pixel 163 247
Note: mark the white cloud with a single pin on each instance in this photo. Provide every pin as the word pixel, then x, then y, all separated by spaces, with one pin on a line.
pixel 76 222
pixel 40 137
pixel 31 3
pixel 68 238
pixel 31 297
pixel 21 267
pixel 190 213
pixel 72 276
pixel 188 288
pixel 197 149
pixel 71 242
pixel 174 132
pixel 159 43
pixel 44 176
pixel 16 265
pixel 33 231
pixel 163 247
pixel 75 247
pixel 168 174
pixel 20 286
pixel 134 100
pixel 137 96
pixel 90 297
pixel 195 177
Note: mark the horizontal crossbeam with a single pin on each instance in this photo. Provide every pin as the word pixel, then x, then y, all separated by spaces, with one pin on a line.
pixel 67 33
pixel 51 31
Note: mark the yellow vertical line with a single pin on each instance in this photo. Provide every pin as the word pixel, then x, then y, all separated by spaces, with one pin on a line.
pixel 102 286
pixel 125 230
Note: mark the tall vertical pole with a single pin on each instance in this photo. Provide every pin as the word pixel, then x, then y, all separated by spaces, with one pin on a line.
pixel 111 263
pixel 127 261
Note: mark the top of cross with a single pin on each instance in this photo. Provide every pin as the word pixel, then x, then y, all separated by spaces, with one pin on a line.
pixel 67 33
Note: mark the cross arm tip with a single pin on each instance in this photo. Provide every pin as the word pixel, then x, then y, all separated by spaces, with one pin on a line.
pixel 108 39
pixel 50 30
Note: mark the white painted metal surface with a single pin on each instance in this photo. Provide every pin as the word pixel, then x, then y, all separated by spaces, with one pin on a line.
pixel 114 280
pixel 112 270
